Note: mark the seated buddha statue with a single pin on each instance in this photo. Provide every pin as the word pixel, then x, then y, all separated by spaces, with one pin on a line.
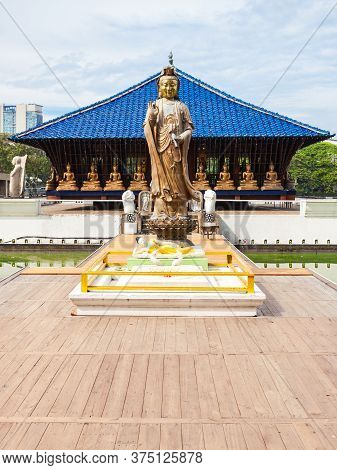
pixel 114 182
pixel 225 182
pixel 271 182
pixel 289 182
pixel 68 182
pixel 52 182
pixel 139 182
pixel 248 183
pixel 92 182
pixel 201 183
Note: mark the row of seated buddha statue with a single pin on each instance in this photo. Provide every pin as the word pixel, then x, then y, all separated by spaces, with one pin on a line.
pixel 247 183
pixel 92 183
pixel 139 183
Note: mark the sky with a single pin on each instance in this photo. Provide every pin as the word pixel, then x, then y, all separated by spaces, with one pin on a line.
pixel 98 48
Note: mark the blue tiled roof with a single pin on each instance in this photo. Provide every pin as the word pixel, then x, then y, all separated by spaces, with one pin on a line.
pixel 214 113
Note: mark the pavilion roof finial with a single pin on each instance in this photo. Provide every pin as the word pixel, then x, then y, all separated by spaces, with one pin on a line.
pixel 170 57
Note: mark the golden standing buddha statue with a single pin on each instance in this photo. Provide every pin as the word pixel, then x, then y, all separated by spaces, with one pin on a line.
pixel 52 183
pixel 139 182
pixel 201 183
pixel 114 182
pixel 248 183
pixel 225 183
pixel 271 182
pixel 168 129
pixel 92 183
pixel 68 182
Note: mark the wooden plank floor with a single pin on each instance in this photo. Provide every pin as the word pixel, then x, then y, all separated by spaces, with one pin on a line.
pixel 187 383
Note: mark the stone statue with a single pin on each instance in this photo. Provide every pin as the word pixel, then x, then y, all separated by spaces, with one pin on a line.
pixel 139 182
pixel 114 182
pixel 210 200
pixel 144 202
pixel 168 129
pixel 128 199
pixel 196 204
pixel 201 183
pixel 52 183
pixel 248 182
pixel 92 183
pixel 225 183
pixel 271 182
pixel 68 182
pixel 17 177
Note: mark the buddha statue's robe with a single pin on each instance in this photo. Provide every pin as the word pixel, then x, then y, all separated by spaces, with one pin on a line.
pixel 170 186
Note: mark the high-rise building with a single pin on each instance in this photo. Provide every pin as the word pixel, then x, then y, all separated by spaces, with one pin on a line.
pixel 19 117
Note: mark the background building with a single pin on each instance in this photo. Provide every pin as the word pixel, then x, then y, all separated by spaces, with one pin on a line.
pixel 227 130
pixel 19 117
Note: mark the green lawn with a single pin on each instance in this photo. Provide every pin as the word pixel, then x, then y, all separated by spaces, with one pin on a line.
pixel 43 257
pixel 302 257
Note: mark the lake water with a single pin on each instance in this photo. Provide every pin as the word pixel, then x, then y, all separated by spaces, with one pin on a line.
pixel 323 263
pixel 11 263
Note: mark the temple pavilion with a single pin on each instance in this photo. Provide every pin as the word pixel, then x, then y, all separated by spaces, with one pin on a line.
pixel 227 131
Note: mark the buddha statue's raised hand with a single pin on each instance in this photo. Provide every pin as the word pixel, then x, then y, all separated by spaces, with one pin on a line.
pixel 152 112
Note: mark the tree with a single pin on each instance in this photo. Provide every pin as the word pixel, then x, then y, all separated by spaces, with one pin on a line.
pixel 315 170
pixel 37 166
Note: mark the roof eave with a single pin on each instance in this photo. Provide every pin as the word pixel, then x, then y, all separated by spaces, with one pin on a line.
pixel 317 137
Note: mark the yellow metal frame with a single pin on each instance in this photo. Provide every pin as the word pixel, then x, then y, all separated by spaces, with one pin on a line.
pixel 168 288
pixel 240 269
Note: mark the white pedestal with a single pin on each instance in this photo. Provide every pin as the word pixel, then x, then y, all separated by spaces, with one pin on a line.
pixel 172 304
pixel 130 228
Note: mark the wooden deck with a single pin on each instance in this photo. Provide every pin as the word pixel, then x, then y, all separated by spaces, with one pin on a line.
pixel 102 383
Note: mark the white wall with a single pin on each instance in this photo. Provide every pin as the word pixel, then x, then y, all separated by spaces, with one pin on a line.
pixel 235 226
pixel 19 207
pixel 76 226
pixel 282 227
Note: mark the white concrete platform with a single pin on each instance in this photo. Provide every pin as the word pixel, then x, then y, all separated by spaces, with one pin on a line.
pixel 175 304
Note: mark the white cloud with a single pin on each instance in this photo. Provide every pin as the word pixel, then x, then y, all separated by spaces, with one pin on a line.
pixel 241 47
